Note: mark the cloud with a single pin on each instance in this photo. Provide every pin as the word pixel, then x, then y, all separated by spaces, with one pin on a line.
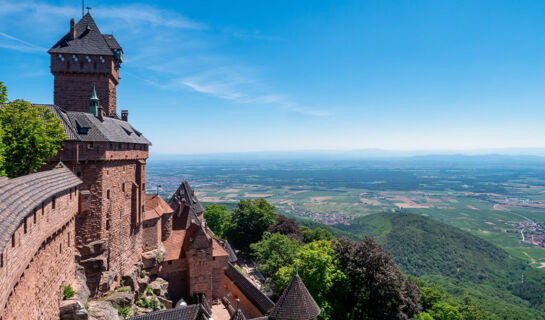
pixel 230 84
pixel 19 45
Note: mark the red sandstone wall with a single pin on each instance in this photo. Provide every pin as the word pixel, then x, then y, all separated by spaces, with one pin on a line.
pixel 246 306
pixel 151 236
pixel 41 261
pixel 74 81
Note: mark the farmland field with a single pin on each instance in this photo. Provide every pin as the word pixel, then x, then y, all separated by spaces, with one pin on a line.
pixel 500 200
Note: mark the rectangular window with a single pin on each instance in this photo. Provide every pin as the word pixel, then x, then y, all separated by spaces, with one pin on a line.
pixel 13 241
pixel 68 239
pixel 25 225
pixel 108 194
pixel 34 216
pixel 53 202
pixel 60 247
pixel 123 187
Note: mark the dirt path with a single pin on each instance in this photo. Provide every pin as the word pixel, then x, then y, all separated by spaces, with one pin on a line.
pixel 529 257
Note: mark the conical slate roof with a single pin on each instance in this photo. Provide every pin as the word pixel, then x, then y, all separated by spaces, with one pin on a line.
pixel 296 303
pixel 238 315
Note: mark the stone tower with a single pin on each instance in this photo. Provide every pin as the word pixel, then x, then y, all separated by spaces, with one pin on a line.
pixel 83 57
pixel 106 152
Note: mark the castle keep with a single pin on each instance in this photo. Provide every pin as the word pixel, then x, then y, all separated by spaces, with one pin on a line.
pixel 85 219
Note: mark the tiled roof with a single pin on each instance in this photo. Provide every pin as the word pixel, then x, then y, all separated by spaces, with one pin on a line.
pixel 192 312
pixel 258 298
pixel 295 303
pixel 217 249
pixel 88 40
pixel 155 207
pixel 20 196
pixel 83 126
pixel 173 245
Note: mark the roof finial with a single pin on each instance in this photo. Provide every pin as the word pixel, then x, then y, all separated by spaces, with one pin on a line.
pixel 88 9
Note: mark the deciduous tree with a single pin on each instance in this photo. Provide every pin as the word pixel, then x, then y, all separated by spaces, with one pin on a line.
pixel 216 217
pixel 248 222
pixel 287 227
pixel 274 251
pixel 31 134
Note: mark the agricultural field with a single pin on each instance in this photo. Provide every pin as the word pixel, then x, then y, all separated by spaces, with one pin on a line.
pixel 500 201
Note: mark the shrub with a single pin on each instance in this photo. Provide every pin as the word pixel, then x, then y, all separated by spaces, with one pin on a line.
pixel 68 292
pixel 124 312
pixel 148 290
pixel 143 274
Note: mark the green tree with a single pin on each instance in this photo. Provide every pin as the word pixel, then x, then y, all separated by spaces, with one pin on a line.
pixel 423 316
pixel 32 134
pixel 3 93
pixel 445 311
pixel 248 222
pixel 316 265
pixel 471 311
pixel 274 251
pixel 216 217
pixel 317 234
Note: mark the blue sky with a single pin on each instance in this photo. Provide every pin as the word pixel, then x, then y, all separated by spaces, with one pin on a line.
pixel 227 76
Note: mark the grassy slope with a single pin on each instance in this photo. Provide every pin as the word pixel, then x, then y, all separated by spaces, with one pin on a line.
pixel 461 262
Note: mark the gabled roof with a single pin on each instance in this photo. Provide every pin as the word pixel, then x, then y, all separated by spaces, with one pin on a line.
pixel 186 196
pixel 20 196
pixel 191 312
pixel 155 207
pixel 258 298
pixel 196 238
pixel 89 40
pixel 83 126
pixel 295 303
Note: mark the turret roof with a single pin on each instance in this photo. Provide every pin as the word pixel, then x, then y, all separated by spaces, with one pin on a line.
pixel 296 303
pixel 89 40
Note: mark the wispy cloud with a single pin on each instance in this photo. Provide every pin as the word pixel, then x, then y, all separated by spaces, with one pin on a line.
pixel 19 44
pixel 229 84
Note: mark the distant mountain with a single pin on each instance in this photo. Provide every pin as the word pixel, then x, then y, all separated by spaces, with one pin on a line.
pixel 461 262
pixel 512 154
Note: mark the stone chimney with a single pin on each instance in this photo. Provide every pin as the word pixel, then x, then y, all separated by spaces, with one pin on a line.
pixel 125 115
pixel 101 114
pixel 73 28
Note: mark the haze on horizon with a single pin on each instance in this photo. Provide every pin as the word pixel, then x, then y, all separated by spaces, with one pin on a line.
pixel 315 75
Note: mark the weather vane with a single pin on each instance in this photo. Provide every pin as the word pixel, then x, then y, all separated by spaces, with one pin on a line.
pixel 88 8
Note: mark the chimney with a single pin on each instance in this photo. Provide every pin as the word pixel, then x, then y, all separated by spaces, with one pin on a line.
pixel 101 114
pixel 125 115
pixel 73 28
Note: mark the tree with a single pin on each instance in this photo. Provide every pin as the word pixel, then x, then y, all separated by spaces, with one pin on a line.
pixel 316 265
pixel 445 311
pixel 274 251
pixel 287 227
pixel 216 217
pixel 3 93
pixel 32 134
pixel 248 222
pixel 378 290
pixel 317 234
pixel 471 311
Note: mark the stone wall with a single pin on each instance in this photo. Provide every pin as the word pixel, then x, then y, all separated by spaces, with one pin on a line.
pixel 151 236
pixel 246 306
pixel 166 226
pixel 37 263
pixel 74 81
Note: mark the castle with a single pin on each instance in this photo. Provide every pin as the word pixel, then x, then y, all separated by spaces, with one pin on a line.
pixel 86 214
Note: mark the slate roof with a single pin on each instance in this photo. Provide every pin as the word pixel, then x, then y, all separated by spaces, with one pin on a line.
pixel 191 312
pixel 89 40
pixel 258 298
pixel 238 315
pixel 20 196
pixel 295 303
pixel 185 192
pixel 83 126
pixel 232 256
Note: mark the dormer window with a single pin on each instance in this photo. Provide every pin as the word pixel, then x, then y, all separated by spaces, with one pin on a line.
pixel 61 57
pixel 75 58
pixel 81 129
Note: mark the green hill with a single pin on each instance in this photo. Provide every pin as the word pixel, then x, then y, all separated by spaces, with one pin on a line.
pixel 464 264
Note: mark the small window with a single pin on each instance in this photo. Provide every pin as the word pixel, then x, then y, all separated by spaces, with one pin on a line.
pixel 108 194
pixel 43 209
pixel 13 241
pixel 25 225
pixel 123 187
pixel 68 239
pixel 34 216
pixel 53 202
pixel 60 247
pixel 79 174
pixel 2 260
pixel 70 193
